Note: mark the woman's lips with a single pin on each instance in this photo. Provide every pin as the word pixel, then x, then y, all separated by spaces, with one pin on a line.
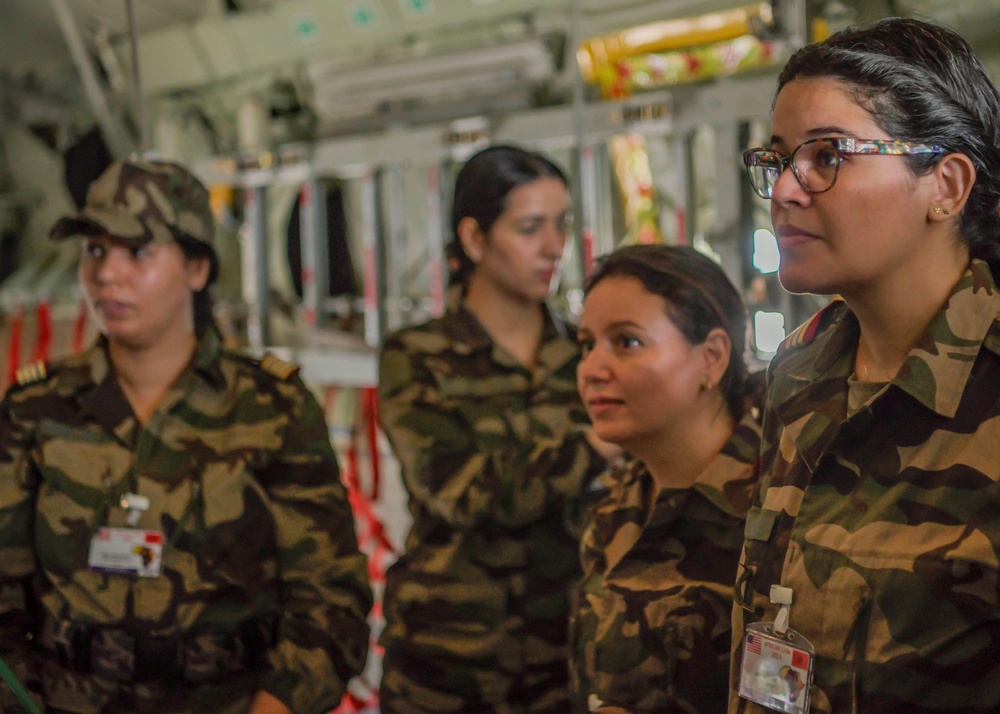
pixel 113 308
pixel 790 236
pixel 600 405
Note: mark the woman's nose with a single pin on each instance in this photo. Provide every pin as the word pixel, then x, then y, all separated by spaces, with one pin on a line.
pixel 787 189
pixel 592 366
pixel 110 266
pixel 555 241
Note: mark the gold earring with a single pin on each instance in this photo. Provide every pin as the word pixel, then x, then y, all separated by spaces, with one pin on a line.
pixel 938 211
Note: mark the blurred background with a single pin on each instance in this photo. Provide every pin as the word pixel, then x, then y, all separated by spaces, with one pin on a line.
pixel 330 132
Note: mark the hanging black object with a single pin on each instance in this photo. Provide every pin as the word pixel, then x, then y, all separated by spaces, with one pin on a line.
pixel 85 160
pixel 341 269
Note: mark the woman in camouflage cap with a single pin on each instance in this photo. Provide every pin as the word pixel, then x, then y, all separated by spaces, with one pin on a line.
pixel 662 374
pixel 173 533
pixel 481 408
pixel 877 506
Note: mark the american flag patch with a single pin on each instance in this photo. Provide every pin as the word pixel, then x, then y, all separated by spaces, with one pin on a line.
pixel 753 644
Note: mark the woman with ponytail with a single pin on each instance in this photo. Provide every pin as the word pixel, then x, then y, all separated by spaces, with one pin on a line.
pixel 481 409
pixel 662 375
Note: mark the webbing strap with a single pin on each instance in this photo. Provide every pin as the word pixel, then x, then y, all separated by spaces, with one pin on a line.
pixel 18 689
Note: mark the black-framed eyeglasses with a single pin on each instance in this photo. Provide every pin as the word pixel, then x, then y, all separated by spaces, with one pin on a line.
pixel 815 163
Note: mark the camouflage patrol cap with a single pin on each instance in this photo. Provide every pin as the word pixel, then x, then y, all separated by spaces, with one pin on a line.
pixel 143 201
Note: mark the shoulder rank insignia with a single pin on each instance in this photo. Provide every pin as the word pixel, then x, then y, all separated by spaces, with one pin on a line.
pixel 34 372
pixel 805 333
pixel 278 367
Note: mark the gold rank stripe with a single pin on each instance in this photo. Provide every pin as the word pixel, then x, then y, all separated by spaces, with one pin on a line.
pixel 806 332
pixel 34 372
pixel 798 335
pixel 278 367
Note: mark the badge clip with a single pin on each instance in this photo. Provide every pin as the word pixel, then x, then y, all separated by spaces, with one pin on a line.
pixel 136 505
pixel 778 662
pixel 782 596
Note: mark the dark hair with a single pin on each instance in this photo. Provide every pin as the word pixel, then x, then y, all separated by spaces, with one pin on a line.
pixel 481 190
pixel 698 296
pixel 204 304
pixel 921 82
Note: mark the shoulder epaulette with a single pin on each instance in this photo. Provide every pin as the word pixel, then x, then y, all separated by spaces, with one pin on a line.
pixel 278 367
pixel 34 372
pixel 805 333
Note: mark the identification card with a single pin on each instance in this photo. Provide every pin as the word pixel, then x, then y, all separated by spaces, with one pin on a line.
pixel 777 669
pixel 127 551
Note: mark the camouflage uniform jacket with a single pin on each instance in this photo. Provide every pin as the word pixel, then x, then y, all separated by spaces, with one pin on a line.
pixel 651 631
pixel 886 524
pixel 241 479
pixel 496 464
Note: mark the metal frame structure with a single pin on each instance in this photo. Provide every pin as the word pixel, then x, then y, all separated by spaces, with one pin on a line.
pixel 372 160
pixel 375 159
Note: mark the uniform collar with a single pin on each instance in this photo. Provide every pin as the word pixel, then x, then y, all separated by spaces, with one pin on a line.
pixel 463 327
pixel 206 362
pixel 727 481
pixel 92 379
pixel 936 371
pixel 101 396
pixel 937 368
pixel 93 366
pixel 812 403
pixel 468 335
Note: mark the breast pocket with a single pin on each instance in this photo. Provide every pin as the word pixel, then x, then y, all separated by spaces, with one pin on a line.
pixel 77 469
pixel 933 587
pixel 655 649
pixel 234 522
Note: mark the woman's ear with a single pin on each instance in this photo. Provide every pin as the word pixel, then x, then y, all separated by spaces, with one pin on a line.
pixel 198 270
pixel 715 354
pixel 954 176
pixel 472 238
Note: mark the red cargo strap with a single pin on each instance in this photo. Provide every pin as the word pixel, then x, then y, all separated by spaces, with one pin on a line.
pixel 80 328
pixel 14 344
pixel 42 350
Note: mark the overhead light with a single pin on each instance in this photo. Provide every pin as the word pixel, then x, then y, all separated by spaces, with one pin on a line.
pixel 769 331
pixel 340 91
pixel 766 257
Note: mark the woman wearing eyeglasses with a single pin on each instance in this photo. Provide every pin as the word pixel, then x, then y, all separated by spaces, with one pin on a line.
pixel 877 513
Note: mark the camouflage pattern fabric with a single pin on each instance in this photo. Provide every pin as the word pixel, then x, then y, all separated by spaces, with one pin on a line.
pixel 496 464
pixel 242 481
pixel 141 202
pixel 652 622
pixel 886 524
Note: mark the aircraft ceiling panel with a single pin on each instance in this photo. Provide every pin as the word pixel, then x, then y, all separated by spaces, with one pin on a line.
pixel 977 20
pixel 295 30
pixel 30 35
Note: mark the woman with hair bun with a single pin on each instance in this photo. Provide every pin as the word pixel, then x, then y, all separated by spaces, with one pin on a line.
pixel 875 532
pixel 481 409
pixel 662 375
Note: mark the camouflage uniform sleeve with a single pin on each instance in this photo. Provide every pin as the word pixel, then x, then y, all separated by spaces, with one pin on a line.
pixel 322 636
pixel 18 482
pixel 502 469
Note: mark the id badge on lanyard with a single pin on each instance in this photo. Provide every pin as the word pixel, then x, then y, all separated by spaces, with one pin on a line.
pixel 777 667
pixel 128 551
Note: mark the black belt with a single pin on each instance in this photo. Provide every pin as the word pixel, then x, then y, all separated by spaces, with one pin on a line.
pixel 126 656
